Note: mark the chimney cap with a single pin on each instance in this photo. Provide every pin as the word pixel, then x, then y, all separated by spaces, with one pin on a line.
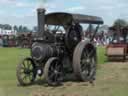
pixel 41 9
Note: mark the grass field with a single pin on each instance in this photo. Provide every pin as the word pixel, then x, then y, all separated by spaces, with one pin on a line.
pixel 112 79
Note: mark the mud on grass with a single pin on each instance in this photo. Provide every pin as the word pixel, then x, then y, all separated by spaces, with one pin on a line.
pixel 112 80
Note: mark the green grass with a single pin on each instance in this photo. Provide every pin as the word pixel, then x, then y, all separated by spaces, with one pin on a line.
pixel 101 55
pixel 110 81
pixel 9 58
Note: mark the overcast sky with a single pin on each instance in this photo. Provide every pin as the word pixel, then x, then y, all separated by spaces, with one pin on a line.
pixel 23 12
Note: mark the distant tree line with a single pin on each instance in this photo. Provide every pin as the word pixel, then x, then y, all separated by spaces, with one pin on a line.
pixel 19 28
pixel 5 26
pixel 120 23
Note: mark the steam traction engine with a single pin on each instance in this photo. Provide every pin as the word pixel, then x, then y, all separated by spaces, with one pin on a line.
pixel 60 48
pixel 117 49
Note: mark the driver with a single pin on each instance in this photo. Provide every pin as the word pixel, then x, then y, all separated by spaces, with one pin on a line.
pixel 79 30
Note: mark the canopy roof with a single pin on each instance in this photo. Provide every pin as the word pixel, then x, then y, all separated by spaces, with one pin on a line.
pixel 61 18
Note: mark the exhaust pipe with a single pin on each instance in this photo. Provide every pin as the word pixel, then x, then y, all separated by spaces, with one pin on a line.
pixel 41 22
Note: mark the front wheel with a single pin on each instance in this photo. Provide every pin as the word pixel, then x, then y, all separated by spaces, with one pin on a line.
pixel 53 72
pixel 26 72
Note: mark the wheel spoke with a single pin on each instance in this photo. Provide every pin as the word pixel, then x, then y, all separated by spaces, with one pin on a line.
pixel 25 76
pixel 51 75
pixel 93 66
pixel 52 68
pixel 29 63
pixel 86 62
pixel 91 53
pixel 56 77
pixel 84 67
pixel 23 68
pixel 56 65
pixel 21 72
pixel 58 68
pixel 84 54
pixel 30 77
pixel 24 64
pixel 85 72
pixel 83 61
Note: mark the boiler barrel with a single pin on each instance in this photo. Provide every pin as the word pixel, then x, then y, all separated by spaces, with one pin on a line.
pixel 41 52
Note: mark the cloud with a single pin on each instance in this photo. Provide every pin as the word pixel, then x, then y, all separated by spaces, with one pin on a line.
pixel 22 4
pixel 7 1
pixel 16 3
pixel 77 8
pixel 24 11
pixel 108 8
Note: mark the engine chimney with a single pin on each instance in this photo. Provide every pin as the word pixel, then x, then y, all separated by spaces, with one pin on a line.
pixel 41 21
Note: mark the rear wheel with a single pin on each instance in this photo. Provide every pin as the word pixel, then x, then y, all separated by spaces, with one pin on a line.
pixel 26 73
pixel 84 61
pixel 53 72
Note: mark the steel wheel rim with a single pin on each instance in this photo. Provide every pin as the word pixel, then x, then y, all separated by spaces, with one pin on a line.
pixel 54 72
pixel 26 71
pixel 87 63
